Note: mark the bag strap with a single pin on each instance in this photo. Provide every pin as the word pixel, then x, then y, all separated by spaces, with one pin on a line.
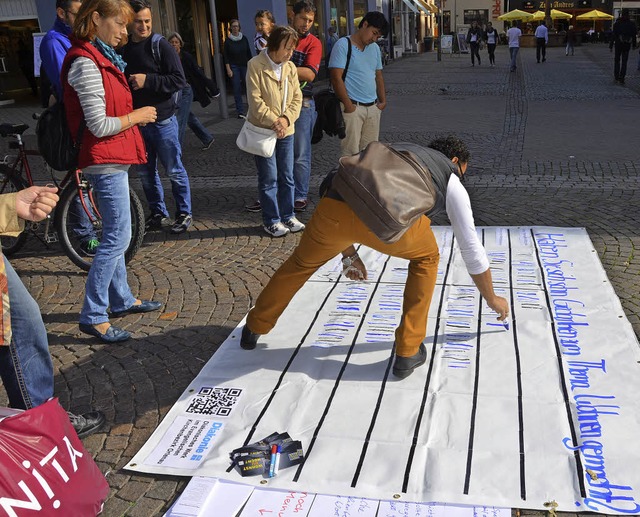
pixel 286 90
pixel 346 67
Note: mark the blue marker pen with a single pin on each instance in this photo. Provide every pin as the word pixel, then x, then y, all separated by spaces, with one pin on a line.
pixel 274 459
pixel 506 324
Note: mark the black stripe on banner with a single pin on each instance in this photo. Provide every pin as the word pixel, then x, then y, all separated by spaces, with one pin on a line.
pixel 474 405
pixel 563 382
pixel 339 377
pixel 286 368
pixel 416 430
pixel 516 347
pixel 374 417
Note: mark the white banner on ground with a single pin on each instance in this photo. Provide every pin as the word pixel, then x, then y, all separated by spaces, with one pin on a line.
pixel 545 412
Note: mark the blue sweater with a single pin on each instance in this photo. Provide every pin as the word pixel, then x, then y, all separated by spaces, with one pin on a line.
pixel 53 48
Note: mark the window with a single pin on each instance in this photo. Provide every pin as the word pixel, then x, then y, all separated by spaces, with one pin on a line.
pixel 476 15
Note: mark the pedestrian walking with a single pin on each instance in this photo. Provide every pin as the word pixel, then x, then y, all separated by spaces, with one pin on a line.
pixel 474 37
pixel 491 37
pixel 542 38
pixel 274 103
pixel 624 37
pixel 570 40
pixel 237 54
pixel 200 88
pixel 513 38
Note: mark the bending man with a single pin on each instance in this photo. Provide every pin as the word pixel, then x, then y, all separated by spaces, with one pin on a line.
pixel 334 227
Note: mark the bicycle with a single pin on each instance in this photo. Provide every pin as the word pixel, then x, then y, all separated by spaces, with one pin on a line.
pixel 16 175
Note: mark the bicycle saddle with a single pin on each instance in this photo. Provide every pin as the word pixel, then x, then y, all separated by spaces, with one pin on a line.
pixel 12 129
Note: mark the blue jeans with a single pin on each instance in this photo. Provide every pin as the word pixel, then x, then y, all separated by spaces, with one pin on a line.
pixel 26 369
pixel 185 117
pixel 161 140
pixel 514 55
pixel 275 183
pixel 237 81
pixel 302 150
pixel 81 225
pixel 107 280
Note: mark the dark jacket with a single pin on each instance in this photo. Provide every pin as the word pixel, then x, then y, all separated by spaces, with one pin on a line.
pixel 53 49
pixel 163 79
pixel 624 33
pixel 237 52
pixel 330 119
pixel 477 31
pixel 203 87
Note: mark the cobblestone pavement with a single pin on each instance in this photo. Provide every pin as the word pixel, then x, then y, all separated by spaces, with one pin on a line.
pixel 552 144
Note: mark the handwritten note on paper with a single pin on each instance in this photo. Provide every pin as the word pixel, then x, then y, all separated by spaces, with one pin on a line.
pixel 193 497
pixel 341 506
pixel 278 502
pixel 403 509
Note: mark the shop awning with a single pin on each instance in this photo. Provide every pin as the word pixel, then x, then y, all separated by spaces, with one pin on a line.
pixel 18 10
pixel 426 6
pixel 410 5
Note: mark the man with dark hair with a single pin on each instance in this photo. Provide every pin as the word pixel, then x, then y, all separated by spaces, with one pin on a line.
pixel 306 57
pixel 335 226
pixel 624 37
pixel 55 45
pixel 362 92
pixel 156 76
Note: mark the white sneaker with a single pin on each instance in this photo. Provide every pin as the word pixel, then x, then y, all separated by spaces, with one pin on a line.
pixel 294 225
pixel 277 230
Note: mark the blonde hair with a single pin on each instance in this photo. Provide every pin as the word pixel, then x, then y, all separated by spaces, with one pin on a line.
pixel 84 28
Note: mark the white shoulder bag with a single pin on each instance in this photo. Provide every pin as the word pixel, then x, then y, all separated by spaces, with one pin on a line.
pixel 259 140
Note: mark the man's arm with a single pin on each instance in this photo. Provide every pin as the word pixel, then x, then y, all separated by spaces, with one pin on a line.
pixel 308 71
pixel 340 89
pixel 484 283
pixel 380 91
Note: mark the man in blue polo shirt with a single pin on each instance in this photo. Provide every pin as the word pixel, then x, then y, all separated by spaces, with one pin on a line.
pixel 362 92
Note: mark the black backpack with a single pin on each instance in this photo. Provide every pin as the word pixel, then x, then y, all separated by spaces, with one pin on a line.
pixel 55 143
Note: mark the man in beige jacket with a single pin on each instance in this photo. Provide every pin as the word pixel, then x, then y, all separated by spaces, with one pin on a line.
pixel 26 369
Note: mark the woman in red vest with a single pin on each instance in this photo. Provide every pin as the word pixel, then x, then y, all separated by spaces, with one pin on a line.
pixel 96 91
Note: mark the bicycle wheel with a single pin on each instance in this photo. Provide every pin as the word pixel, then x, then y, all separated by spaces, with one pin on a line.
pixel 11 183
pixel 69 212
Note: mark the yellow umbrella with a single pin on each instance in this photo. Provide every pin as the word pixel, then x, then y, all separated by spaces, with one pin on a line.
pixel 516 14
pixel 594 15
pixel 555 15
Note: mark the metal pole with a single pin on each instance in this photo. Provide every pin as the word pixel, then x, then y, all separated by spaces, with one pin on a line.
pixel 440 4
pixel 217 62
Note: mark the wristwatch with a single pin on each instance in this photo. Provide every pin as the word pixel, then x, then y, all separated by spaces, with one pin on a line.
pixel 348 261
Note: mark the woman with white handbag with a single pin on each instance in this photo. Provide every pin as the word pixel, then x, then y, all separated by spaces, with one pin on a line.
pixel 275 100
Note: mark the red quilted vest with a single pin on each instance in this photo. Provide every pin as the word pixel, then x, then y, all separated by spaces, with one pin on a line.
pixel 127 147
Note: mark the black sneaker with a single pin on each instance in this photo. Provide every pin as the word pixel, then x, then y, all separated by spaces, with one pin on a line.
pixel 87 423
pixel 90 247
pixel 253 207
pixel 248 340
pixel 183 221
pixel 404 366
pixel 157 222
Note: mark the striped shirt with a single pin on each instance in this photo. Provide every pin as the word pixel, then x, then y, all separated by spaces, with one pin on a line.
pixel 85 78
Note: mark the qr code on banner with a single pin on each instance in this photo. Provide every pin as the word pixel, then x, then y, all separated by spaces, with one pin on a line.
pixel 214 401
